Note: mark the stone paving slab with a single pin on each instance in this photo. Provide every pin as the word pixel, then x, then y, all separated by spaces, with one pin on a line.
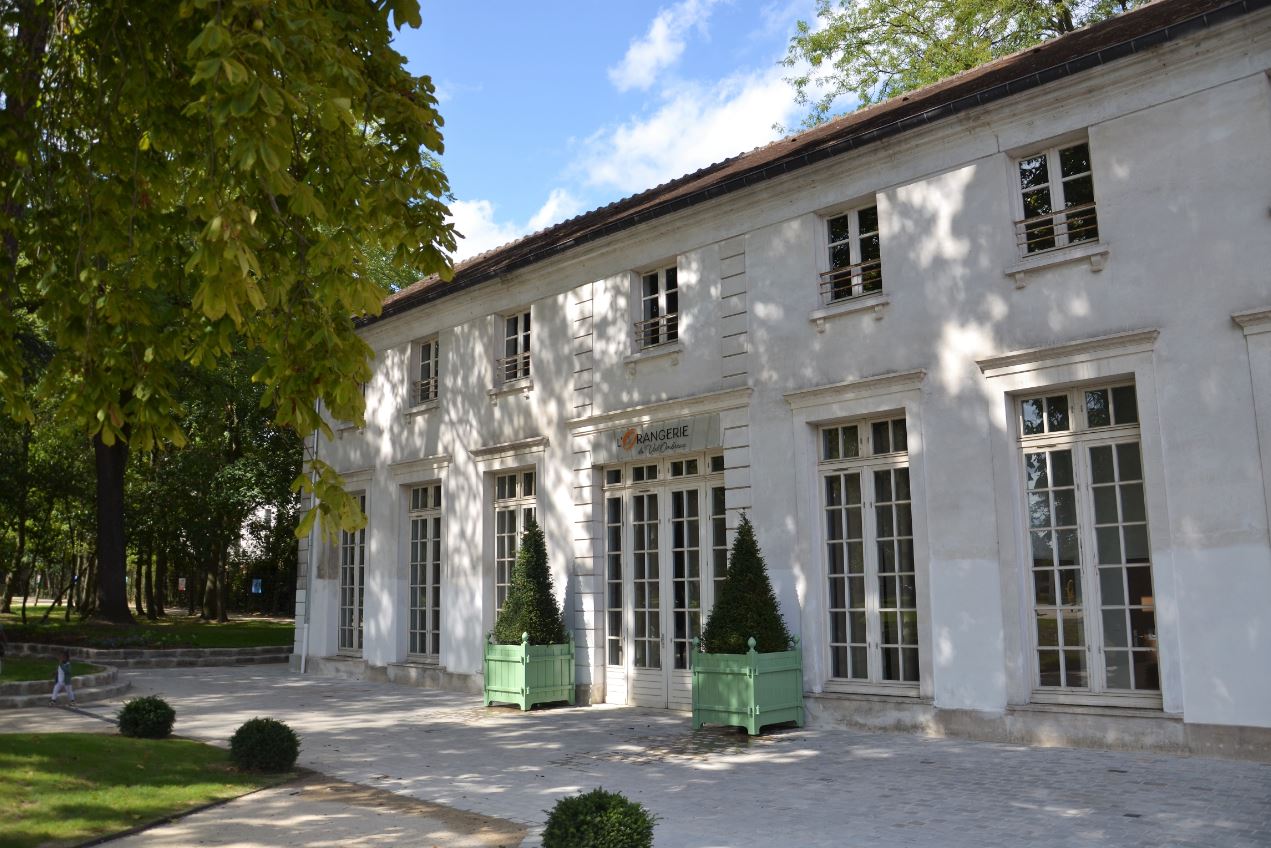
pixel 720 789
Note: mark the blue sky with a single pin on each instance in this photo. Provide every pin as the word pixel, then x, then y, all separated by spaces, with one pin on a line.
pixel 555 108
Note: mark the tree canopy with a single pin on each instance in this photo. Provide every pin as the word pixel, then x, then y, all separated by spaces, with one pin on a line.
pixel 872 50
pixel 180 182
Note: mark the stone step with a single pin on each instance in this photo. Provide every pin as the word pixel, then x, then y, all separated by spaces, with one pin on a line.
pixel 82 696
pixel 163 658
pixel 43 687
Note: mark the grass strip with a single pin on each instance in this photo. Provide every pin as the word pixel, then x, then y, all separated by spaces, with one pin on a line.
pixel 22 669
pixel 174 631
pixel 59 789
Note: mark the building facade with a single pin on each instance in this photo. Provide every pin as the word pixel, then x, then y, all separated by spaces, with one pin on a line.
pixel 988 367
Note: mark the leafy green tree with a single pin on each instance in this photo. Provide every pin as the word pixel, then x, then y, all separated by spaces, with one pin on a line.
pixel 872 50
pixel 531 605
pixel 746 605
pixel 178 180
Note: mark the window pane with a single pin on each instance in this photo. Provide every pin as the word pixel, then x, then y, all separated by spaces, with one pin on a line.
pixel 1061 468
pixel 830 443
pixel 1128 462
pixel 1031 412
pixel 1078 192
pixel 882 437
pixel 1101 470
pixel 899 436
pixel 1105 504
pixel 1098 413
pixel 1074 160
pixel 1037 203
pixel 1125 405
pixel 1112 586
pixel 1109 541
pixel 868 220
pixel 1057 413
pixel 838 228
pixel 1033 172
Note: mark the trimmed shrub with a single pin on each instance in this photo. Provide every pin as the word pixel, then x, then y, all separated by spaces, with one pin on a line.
pixel 264 744
pixel 148 718
pixel 598 819
pixel 531 606
pixel 746 605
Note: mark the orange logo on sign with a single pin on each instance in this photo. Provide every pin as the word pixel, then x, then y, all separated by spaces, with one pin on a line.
pixel 628 439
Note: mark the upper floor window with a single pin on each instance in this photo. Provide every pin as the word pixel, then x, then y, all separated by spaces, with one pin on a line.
pixel 515 362
pixel 855 258
pixel 659 309
pixel 426 371
pixel 1057 191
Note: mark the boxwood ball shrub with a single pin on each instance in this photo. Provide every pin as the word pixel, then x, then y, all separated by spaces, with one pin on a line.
pixel 746 605
pixel 148 718
pixel 264 744
pixel 598 819
pixel 531 605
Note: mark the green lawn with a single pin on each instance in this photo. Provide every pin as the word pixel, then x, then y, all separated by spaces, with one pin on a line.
pixel 64 788
pixel 175 631
pixel 17 669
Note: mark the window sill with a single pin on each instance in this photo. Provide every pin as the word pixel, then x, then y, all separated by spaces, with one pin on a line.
pixel 881 692
pixel 1055 699
pixel 420 408
pixel 874 302
pixel 1095 252
pixel 521 387
pixel 1137 709
pixel 670 350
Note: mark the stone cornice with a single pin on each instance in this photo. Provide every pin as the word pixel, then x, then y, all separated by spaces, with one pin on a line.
pixel 899 381
pixel 1118 344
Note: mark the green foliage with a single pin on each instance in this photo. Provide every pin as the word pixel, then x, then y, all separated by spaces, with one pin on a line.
pixel 531 606
pixel 746 605
pixel 147 718
pixel 872 50
pixel 264 744
pixel 182 182
pixel 598 819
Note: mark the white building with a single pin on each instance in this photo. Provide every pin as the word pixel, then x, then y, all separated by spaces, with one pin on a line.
pixel 1010 467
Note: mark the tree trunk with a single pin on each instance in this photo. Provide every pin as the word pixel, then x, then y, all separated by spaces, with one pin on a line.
pixel 160 580
pixel 222 615
pixel 112 590
pixel 138 581
pixel 150 613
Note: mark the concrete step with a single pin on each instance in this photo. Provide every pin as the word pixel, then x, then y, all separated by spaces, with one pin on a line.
pixel 82 696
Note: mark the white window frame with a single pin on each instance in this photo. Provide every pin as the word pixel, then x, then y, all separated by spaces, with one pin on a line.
pixel 515 340
pixel 352 556
pixel 1059 229
pixel 1078 439
pixel 519 503
pixel 425 384
pixel 888 396
pixel 865 463
pixel 1103 360
pixel 860 277
pixel 657 323
pixel 426 568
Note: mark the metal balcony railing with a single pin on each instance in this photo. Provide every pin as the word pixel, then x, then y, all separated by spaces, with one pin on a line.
pixel 425 390
pixel 851 281
pixel 656 331
pixel 514 367
pixel 1057 229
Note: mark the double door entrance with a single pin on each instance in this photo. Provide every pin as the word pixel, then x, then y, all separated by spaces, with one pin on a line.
pixel 665 553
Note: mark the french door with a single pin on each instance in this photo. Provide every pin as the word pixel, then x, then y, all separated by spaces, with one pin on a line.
pixel 665 549
pixel 352 581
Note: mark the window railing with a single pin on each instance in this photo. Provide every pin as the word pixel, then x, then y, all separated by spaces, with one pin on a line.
pixel 514 367
pixel 851 281
pixel 1057 229
pixel 657 331
pixel 425 390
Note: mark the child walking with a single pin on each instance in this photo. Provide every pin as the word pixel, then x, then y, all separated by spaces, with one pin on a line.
pixel 63 680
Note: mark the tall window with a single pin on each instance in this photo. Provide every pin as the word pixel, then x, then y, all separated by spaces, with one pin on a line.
pixel 514 505
pixel 1057 188
pixel 659 309
pixel 613 578
pixel 1093 604
pixel 515 362
pixel 855 257
pixel 873 597
pixel 427 373
pixel 425 570
pixel 352 580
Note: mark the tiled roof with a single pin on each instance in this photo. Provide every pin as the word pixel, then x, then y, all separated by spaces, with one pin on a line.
pixel 1098 44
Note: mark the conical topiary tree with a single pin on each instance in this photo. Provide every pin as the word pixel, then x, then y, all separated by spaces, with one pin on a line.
pixel 746 605
pixel 531 606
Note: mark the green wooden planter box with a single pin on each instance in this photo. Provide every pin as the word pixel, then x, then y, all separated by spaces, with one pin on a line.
pixel 527 674
pixel 749 690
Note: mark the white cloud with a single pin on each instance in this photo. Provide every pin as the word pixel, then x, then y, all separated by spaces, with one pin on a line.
pixel 694 126
pixel 661 46
pixel 482 230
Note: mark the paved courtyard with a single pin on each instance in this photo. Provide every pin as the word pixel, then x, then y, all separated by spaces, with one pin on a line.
pixel 716 788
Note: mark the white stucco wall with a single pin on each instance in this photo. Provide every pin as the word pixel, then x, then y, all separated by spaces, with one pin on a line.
pixel 1182 170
